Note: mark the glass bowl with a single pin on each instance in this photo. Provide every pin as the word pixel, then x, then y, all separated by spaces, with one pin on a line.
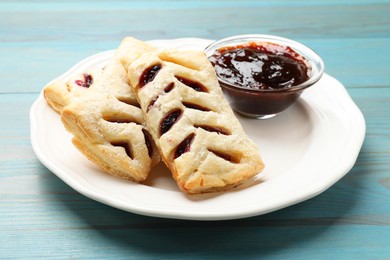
pixel 268 102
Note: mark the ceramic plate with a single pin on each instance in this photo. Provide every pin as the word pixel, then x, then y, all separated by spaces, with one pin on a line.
pixel 306 149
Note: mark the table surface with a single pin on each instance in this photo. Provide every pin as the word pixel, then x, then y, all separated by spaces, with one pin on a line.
pixel 40 216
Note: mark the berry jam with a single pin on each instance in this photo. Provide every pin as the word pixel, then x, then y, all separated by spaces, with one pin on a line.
pixel 192 84
pixel 260 66
pixel 87 82
pixel 184 146
pixel 148 75
pixel 169 120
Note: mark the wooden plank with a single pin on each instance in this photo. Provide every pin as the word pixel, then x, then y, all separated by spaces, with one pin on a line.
pixel 93 5
pixel 212 242
pixel 210 21
pixel 352 61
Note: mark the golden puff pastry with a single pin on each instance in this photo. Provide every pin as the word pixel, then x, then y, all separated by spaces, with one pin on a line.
pixel 107 124
pixel 198 136
pixel 60 93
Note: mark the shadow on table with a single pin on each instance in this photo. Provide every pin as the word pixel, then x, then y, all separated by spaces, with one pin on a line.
pixel 273 234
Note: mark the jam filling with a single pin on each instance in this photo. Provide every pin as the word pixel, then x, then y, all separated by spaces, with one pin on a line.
pixel 192 84
pixel 260 66
pixel 184 146
pixel 148 142
pixel 148 75
pixel 169 120
pixel 87 82
pixel 168 88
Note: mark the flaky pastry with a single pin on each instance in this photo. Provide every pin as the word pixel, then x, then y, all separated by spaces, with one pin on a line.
pixel 107 124
pixel 198 136
pixel 60 93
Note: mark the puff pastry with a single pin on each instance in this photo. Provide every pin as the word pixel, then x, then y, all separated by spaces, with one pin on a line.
pixel 198 136
pixel 107 124
pixel 60 93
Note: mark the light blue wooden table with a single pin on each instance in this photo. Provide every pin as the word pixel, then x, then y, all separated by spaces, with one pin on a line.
pixel 42 217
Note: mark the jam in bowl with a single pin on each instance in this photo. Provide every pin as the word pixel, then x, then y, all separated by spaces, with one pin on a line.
pixel 262 75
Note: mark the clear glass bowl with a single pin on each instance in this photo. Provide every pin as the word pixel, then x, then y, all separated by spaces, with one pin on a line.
pixel 266 103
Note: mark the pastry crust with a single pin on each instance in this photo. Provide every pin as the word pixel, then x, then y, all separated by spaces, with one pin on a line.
pixel 199 138
pixel 60 93
pixel 107 124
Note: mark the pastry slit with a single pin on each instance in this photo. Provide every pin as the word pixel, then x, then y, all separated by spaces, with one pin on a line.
pixel 125 146
pixel 192 84
pixel 195 106
pixel 169 120
pixel 129 101
pixel 216 129
pixel 233 157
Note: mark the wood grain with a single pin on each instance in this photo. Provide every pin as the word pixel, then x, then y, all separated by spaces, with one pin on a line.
pixel 42 217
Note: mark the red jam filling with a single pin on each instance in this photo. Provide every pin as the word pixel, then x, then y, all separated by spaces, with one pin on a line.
pixel 148 75
pixel 260 66
pixel 148 142
pixel 169 120
pixel 184 146
pixel 192 84
pixel 87 82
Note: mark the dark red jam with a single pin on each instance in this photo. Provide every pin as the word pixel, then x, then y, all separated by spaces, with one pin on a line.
pixel 184 146
pixel 148 142
pixel 148 75
pixel 260 66
pixel 169 120
pixel 192 84
pixel 87 82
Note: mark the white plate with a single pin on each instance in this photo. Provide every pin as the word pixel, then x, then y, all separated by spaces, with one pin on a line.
pixel 306 149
